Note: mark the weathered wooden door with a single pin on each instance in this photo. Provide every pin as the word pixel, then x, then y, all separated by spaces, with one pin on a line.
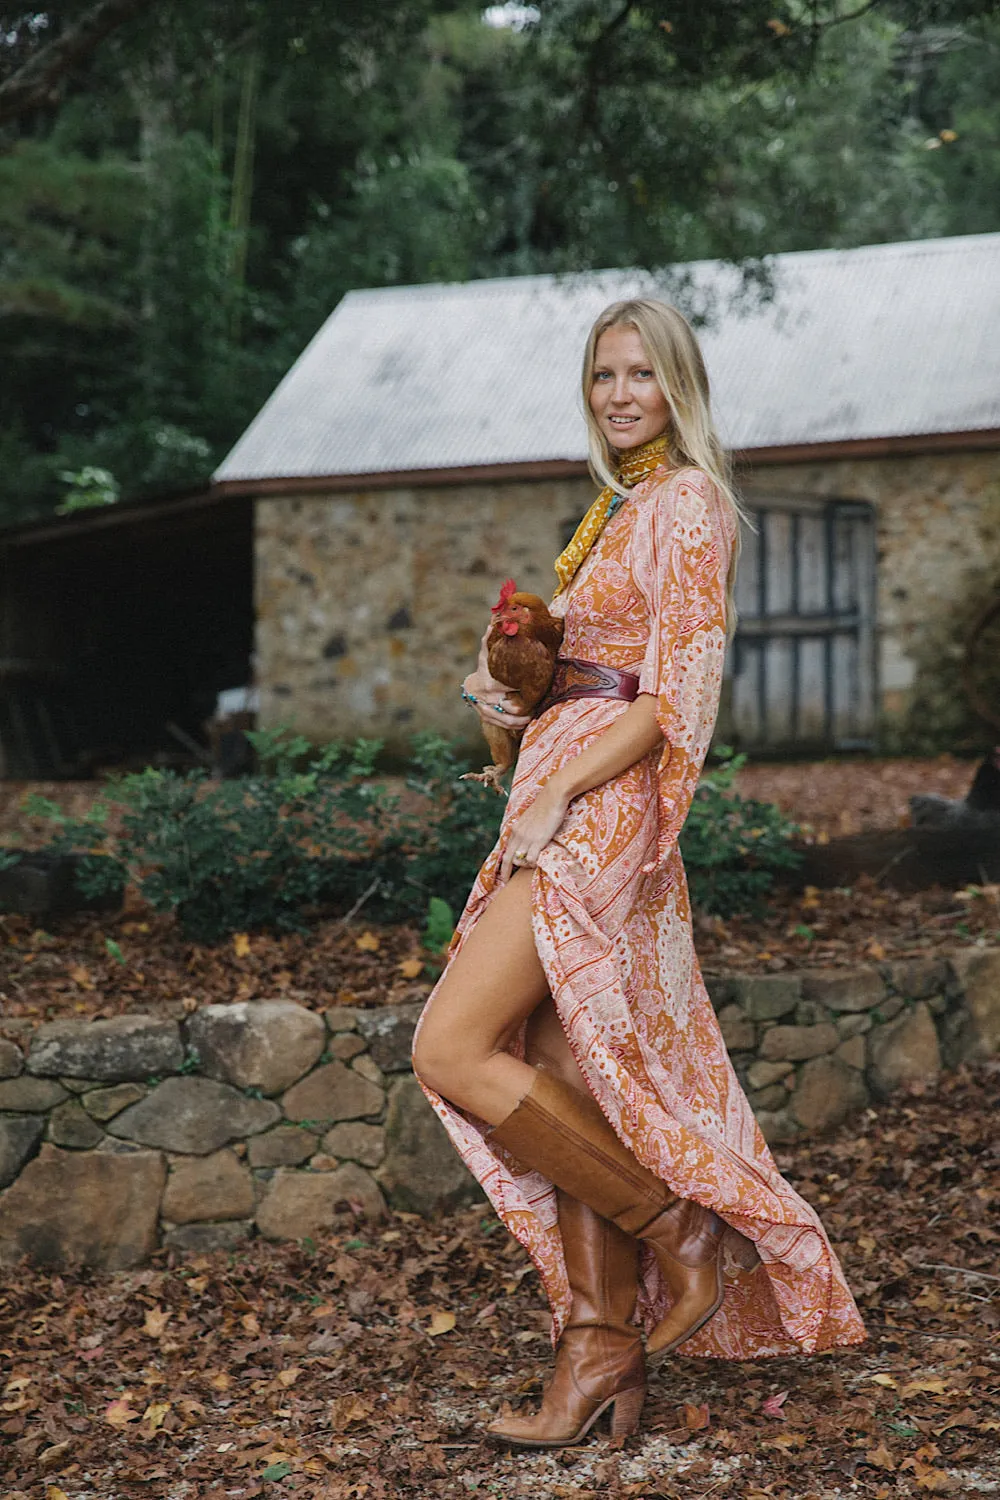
pixel 802 666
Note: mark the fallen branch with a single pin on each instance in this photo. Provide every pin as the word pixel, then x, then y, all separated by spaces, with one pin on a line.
pixel 958 1270
pixel 365 895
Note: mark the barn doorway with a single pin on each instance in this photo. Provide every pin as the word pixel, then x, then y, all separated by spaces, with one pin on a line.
pixel 118 628
pixel 803 663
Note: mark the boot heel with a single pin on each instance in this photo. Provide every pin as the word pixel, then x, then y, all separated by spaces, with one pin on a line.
pixel 627 1411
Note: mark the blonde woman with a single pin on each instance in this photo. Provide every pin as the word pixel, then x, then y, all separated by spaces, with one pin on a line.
pixel 570 1047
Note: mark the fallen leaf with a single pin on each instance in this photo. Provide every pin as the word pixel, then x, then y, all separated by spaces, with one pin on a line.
pixel 53 1492
pixel 441 1322
pixel 411 968
pixel 368 943
pixel 155 1413
pixel 119 1413
pixel 931 1386
pixel 779 27
pixel 250 1323
pixel 694 1418
pixel 345 1411
pixel 155 1322
pixel 241 944
pixel 55 1454
pixel 883 1379
pixel 81 976
pixel 289 1376
pixel 881 1458
pixel 220 1381
pixel 772 1406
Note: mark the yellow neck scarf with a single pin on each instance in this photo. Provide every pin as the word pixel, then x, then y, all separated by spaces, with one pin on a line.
pixel 634 466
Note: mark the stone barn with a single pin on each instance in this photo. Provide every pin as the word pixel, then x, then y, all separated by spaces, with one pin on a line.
pixel 429 443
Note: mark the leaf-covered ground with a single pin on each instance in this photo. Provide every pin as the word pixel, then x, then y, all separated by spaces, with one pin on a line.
pixel 103 965
pixel 362 1367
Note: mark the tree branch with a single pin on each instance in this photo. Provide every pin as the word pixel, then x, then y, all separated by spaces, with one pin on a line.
pixel 33 84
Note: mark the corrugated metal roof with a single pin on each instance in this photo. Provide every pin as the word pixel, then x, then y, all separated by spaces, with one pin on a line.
pixel 884 341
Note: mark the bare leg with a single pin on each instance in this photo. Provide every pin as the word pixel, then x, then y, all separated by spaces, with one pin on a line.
pixel 489 991
pixel 546 1046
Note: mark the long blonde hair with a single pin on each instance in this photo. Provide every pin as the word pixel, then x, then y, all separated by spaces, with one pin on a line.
pixel 676 360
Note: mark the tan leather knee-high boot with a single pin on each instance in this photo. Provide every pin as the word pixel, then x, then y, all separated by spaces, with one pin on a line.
pixel 599 1361
pixel 564 1135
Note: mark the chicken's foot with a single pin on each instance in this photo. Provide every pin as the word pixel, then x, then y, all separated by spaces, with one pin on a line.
pixel 489 776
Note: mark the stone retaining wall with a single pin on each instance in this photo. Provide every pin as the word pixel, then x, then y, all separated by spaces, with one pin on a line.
pixel 123 1135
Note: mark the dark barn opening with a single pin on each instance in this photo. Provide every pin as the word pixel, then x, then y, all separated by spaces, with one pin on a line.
pixel 116 625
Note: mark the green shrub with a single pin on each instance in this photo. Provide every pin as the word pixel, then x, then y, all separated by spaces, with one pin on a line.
pixel 732 846
pixel 313 830
pixel 317 831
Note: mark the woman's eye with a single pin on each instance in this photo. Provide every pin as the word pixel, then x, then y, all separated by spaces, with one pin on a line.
pixel 644 374
pixel 602 375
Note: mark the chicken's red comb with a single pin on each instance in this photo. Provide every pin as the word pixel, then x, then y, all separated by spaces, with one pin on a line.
pixel 510 587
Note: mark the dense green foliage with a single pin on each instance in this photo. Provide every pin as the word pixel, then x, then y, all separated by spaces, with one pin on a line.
pixel 184 203
pixel 318 831
pixel 313 831
pixel 733 846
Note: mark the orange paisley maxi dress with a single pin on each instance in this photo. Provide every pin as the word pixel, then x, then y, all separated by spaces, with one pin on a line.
pixel 612 924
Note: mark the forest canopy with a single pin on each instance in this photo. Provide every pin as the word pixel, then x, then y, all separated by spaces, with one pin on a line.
pixel 187 189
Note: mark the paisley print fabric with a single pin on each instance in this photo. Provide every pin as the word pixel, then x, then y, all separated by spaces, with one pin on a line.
pixel 612 924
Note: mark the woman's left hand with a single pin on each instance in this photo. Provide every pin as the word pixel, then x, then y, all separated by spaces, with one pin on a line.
pixel 538 827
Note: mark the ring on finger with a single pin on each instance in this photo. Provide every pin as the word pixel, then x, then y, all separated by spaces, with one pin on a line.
pixel 520 855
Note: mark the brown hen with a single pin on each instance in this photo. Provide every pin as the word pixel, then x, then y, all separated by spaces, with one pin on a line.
pixel 521 650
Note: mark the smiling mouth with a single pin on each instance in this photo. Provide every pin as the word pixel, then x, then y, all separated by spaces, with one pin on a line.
pixel 623 421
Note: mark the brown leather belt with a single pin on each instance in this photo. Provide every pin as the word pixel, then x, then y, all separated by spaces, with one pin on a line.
pixel 574 678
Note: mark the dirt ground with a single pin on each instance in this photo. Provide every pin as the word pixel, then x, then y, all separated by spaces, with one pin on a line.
pixel 363 1366
pixel 839 797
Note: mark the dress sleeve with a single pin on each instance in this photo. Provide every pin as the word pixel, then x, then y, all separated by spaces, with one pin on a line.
pixel 681 563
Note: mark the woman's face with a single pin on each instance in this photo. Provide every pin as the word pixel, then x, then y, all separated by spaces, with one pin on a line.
pixel 625 399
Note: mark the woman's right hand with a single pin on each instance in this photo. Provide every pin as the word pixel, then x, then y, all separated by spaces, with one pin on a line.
pixel 487 692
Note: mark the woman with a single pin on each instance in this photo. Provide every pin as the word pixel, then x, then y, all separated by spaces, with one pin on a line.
pixel 570 1046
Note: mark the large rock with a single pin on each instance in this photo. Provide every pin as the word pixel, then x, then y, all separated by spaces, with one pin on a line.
pixel 70 1125
pixel 299 1205
pixel 86 1208
pixel 738 1032
pixel 209 1187
pixel 356 1141
pixel 195 1115
pixel 762 1074
pixel 331 1093
pixel 11 1059
pixel 389 1034
pixel 844 989
pixel 104 1104
pixel 200 1238
pixel 777 1127
pixel 829 1090
pixel 798 1043
pixel 422 1171
pixel 26 1095
pixel 917 978
pixel 978 973
pixel 766 997
pixel 904 1051
pixel 284 1146
pixel 19 1139
pixel 115 1049
pixel 260 1044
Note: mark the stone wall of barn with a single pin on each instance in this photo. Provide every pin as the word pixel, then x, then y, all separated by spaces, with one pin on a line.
pixel 370 605
pixel 125 1135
